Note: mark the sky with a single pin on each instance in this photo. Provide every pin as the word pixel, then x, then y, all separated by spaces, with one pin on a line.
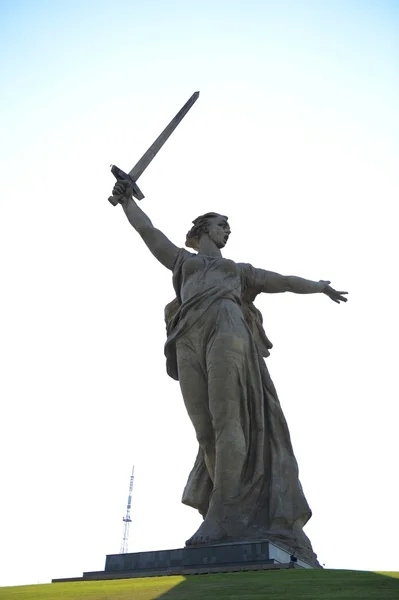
pixel 295 138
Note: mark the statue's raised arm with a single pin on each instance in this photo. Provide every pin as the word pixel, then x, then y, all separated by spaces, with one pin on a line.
pixel 161 247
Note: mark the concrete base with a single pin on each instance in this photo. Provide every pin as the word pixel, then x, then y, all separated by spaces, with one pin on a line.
pixel 219 558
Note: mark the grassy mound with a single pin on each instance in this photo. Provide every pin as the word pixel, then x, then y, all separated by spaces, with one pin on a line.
pixel 290 584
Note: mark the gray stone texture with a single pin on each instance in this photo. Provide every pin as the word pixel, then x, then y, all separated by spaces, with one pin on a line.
pixel 217 555
pixel 217 558
pixel 245 479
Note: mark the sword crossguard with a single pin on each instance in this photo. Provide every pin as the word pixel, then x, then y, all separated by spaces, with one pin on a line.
pixel 121 175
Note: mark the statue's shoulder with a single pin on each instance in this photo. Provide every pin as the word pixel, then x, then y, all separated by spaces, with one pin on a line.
pixel 248 274
pixel 182 256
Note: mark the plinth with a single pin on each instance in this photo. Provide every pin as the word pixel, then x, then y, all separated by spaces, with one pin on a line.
pixel 218 558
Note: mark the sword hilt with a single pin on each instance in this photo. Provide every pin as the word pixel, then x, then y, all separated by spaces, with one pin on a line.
pixel 121 175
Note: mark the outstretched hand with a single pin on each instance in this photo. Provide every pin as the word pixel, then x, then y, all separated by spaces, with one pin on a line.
pixel 336 296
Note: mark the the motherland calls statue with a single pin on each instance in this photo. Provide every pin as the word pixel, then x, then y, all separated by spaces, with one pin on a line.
pixel 245 478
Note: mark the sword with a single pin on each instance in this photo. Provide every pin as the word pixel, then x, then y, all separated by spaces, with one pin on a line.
pixel 145 160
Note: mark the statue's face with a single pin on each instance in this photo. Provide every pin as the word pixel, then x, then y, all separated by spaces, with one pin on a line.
pixel 219 231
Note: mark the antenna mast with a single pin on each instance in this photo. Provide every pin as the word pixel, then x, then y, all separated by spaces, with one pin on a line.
pixel 126 519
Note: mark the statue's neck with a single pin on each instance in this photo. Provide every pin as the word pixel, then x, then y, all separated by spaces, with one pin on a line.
pixel 208 247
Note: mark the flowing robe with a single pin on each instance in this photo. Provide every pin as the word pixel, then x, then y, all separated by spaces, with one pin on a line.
pixel 214 303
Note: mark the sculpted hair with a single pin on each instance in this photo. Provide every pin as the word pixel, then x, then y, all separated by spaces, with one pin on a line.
pixel 200 225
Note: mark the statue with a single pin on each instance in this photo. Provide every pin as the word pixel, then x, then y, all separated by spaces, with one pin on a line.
pixel 245 478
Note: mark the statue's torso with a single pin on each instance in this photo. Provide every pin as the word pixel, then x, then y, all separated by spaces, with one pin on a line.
pixel 201 273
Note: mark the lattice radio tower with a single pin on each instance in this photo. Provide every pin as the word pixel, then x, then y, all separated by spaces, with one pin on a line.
pixel 126 519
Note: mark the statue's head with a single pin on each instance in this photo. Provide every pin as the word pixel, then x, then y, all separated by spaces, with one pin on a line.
pixel 212 224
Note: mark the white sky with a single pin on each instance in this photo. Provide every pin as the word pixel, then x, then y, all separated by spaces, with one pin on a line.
pixel 295 138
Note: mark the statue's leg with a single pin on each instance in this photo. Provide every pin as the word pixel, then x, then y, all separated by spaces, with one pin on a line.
pixel 228 389
pixel 222 388
pixel 194 387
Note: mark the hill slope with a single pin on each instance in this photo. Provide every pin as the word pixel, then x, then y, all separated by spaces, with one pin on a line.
pixel 295 584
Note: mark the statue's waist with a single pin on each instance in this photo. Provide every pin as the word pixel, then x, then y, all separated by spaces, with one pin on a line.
pixel 201 295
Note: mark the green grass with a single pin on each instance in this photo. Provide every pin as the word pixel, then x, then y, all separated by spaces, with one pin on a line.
pixel 295 584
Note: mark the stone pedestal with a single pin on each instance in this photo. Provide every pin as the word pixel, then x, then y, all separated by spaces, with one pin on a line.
pixel 219 558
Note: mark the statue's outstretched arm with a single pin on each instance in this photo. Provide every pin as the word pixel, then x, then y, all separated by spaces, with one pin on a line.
pixel 271 283
pixel 161 247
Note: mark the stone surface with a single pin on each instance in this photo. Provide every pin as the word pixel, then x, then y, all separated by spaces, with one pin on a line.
pixel 245 479
pixel 216 555
pixel 217 558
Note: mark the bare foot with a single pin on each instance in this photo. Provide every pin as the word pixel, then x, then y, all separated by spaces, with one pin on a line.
pixel 210 532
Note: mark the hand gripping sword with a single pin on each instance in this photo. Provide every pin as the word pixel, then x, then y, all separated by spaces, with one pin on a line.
pixel 145 160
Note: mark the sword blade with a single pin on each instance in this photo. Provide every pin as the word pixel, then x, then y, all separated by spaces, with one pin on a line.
pixel 161 139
